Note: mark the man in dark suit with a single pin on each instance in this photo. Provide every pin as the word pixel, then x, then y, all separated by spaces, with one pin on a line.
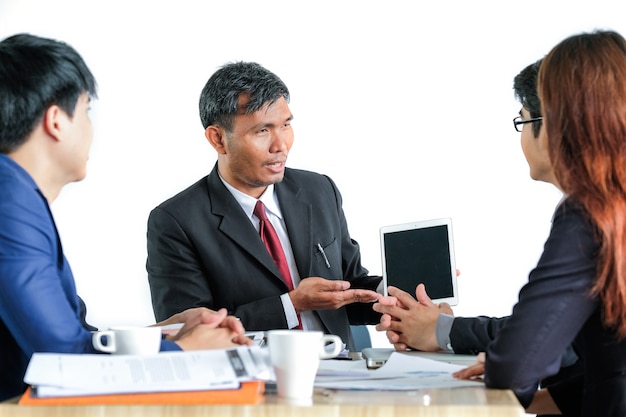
pixel 204 247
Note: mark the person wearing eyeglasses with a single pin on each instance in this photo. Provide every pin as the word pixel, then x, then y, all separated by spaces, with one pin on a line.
pixel 459 334
pixel 520 121
pixel 426 326
pixel 578 289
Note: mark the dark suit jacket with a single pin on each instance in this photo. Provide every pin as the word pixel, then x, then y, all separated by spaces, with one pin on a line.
pixel 204 251
pixel 555 310
pixel 471 335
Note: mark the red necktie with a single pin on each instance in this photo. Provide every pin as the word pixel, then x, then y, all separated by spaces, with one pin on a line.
pixel 272 243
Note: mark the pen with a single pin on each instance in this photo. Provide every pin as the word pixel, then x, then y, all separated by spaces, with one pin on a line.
pixel 321 250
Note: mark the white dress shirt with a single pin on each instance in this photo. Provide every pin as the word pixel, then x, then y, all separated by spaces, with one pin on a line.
pixel 274 214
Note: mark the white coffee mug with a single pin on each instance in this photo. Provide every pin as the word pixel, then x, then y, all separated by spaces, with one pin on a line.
pixel 295 356
pixel 129 340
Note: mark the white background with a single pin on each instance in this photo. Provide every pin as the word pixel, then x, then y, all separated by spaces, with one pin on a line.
pixel 407 105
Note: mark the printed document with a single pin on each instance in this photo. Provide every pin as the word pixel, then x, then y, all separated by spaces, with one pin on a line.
pixel 53 374
pixel 401 372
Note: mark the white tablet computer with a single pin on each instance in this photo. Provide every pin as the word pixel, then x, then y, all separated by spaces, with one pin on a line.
pixel 420 252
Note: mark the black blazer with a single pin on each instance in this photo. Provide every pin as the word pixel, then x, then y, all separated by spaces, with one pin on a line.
pixel 471 335
pixel 555 310
pixel 204 251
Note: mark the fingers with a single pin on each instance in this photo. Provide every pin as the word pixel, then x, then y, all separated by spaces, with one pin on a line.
pixel 387 301
pixel 204 336
pixel 198 315
pixel 331 285
pixel 233 323
pixel 400 347
pixel 389 325
pixel 385 321
pixel 220 318
pixel 312 285
pixel 403 297
pixel 392 336
pixel 315 293
pixel 213 317
pixel 445 308
pixel 362 296
pixel 243 340
pixel 474 370
pixel 392 310
pixel 422 296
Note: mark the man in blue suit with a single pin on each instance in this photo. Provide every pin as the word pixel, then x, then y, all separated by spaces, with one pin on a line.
pixel 45 138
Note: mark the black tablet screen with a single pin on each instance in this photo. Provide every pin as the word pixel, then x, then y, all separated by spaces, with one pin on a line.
pixel 419 256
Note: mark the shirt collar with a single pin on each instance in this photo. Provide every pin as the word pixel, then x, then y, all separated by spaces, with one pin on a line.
pixel 18 170
pixel 247 203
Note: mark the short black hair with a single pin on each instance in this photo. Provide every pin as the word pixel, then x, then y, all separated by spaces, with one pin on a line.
pixel 36 73
pixel 525 88
pixel 219 98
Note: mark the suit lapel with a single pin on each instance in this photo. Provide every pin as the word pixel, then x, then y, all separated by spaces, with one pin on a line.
pixel 297 215
pixel 236 225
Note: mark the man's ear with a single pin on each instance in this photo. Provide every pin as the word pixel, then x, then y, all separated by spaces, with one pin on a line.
pixel 216 137
pixel 53 120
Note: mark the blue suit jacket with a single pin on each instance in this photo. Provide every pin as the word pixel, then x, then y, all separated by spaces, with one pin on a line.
pixel 39 308
pixel 204 251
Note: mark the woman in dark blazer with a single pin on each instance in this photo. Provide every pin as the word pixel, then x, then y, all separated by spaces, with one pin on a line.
pixel 577 292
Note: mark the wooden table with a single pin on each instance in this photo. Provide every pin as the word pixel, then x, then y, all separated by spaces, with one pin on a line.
pixel 457 402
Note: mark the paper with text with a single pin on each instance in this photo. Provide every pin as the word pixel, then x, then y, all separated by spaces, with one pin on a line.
pixel 85 374
pixel 400 372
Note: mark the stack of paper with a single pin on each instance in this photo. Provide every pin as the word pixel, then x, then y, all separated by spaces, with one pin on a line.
pixel 401 372
pixel 250 392
pixel 58 375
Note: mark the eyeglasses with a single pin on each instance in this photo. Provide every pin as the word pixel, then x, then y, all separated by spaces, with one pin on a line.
pixel 519 123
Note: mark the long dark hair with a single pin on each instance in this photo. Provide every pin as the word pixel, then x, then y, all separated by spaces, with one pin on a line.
pixel 582 86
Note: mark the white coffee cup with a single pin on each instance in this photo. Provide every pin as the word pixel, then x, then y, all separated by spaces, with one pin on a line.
pixel 129 340
pixel 295 356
